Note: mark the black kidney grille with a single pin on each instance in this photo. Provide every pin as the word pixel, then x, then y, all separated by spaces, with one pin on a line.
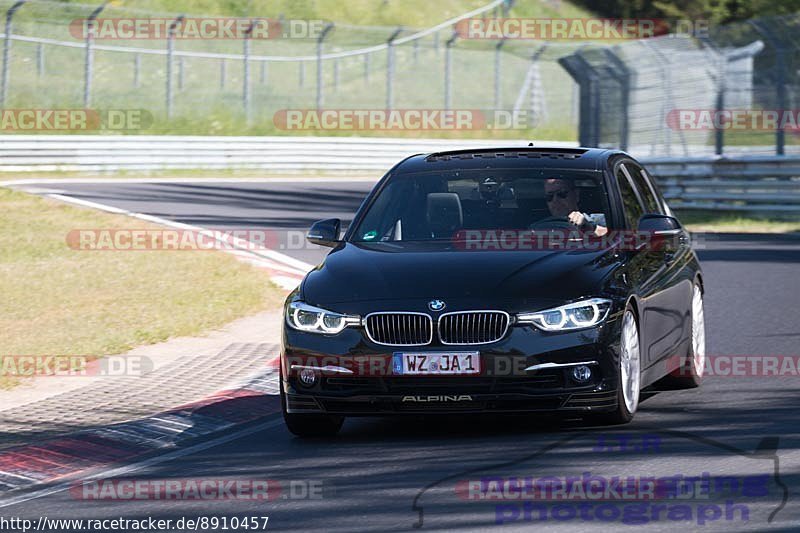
pixel 400 329
pixel 473 327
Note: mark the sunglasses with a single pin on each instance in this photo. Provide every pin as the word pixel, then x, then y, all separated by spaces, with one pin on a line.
pixel 550 196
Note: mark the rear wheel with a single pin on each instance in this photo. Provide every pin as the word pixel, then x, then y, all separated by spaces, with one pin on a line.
pixel 628 374
pixel 310 425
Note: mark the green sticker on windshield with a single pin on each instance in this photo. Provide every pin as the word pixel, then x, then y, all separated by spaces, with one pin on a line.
pixel 368 236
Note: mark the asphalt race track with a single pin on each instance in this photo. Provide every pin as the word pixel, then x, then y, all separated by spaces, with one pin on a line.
pixel 387 475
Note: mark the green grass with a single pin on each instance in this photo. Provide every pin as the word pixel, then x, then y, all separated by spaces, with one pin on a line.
pixel 60 301
pixel 733 222
pixel 202 105
pixel 412 13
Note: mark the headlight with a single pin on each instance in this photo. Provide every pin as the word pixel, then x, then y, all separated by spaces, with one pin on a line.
pixel 315 320
pixel 578 315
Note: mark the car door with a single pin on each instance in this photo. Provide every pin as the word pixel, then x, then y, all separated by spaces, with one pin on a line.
pixel 641 268
pixel 665 317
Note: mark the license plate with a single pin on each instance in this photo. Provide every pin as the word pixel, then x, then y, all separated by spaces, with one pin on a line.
pixel 438 364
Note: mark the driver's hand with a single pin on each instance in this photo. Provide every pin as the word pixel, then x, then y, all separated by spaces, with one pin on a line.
pixel 577 218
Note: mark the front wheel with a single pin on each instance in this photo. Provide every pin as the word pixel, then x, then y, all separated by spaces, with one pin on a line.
pixel 690 373
pixel 310 425
pixel 628 374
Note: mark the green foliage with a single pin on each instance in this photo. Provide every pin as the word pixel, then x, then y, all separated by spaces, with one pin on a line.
pixel 716 11
pixel 411 13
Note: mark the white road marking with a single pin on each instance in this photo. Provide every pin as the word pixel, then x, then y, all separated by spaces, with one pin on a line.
pixel 289 264
pixel 286 282
pixel 127 469
pixel 295 266
pixel 18 476
pixel 39 190
pixel 299 179
pixel 87 203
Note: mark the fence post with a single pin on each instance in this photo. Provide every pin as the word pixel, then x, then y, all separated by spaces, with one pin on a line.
pixel 7 51
pixel 719 133
pixel 623 74
pixel 336 75
pixel 448 71
pixel 87 83
pixel 536 111
pixel 498 50
pixel 390 68
pixel 40 60
pixel 170 52
pixel 137 67
pixel 780 81
pixel 666 64
pixel 320 40
pixel 587 79
pixel 181 73
pixel 246 97
pixel 366 67
pixel 301 66
pixel 263 72
pixel 223 72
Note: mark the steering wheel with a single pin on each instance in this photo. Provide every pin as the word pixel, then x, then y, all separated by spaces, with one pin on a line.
pixel 553 222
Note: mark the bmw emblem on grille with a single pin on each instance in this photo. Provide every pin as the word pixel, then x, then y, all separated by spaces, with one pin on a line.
pixel 436 305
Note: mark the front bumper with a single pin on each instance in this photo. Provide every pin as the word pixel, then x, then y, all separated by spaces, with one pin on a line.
pixel 369 388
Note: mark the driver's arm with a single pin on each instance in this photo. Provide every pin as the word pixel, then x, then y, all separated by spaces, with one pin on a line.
pixel 584 224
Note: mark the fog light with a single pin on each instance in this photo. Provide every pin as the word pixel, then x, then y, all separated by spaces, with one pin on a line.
pixel 581 373
pixel 308 376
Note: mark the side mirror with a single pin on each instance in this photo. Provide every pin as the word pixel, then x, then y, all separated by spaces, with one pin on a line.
pixel 660 225
pixel 665 234
pixel 325 232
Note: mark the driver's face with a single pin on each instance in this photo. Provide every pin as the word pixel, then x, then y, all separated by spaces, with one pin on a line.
pixel 560 197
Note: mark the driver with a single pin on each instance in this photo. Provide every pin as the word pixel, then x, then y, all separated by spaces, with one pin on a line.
pixel 562 199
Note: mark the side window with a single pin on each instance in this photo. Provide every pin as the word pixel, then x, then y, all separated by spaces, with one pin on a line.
pixel 646 190
pixel 659 197
pixel 630 200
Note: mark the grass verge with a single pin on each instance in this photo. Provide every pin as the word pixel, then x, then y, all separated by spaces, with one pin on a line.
pixel 734 222
pixel 59 301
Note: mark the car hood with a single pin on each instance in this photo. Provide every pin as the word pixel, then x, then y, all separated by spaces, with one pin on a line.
pixel 399 272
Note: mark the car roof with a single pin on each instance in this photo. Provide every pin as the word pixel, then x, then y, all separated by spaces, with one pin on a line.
pixel 591 159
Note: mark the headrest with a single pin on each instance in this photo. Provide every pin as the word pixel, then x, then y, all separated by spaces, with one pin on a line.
pixel 444 213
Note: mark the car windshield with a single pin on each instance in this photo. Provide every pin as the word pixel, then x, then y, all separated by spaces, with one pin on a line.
pixel 438 205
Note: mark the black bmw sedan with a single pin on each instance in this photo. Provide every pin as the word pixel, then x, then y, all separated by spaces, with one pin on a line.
pixel 496 280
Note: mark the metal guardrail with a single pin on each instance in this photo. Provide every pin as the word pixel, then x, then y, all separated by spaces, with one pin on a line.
pixel 741 183
pixel 769 184
pixel 74 153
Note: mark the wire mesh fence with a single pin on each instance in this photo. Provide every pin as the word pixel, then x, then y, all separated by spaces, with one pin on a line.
pixel 651 96
pixel 731 89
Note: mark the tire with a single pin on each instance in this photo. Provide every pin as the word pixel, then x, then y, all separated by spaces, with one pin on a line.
pixel 629 374
pixel 690 373
pixel 310 425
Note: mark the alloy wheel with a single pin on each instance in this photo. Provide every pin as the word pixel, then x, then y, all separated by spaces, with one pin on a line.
pixel 630 362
